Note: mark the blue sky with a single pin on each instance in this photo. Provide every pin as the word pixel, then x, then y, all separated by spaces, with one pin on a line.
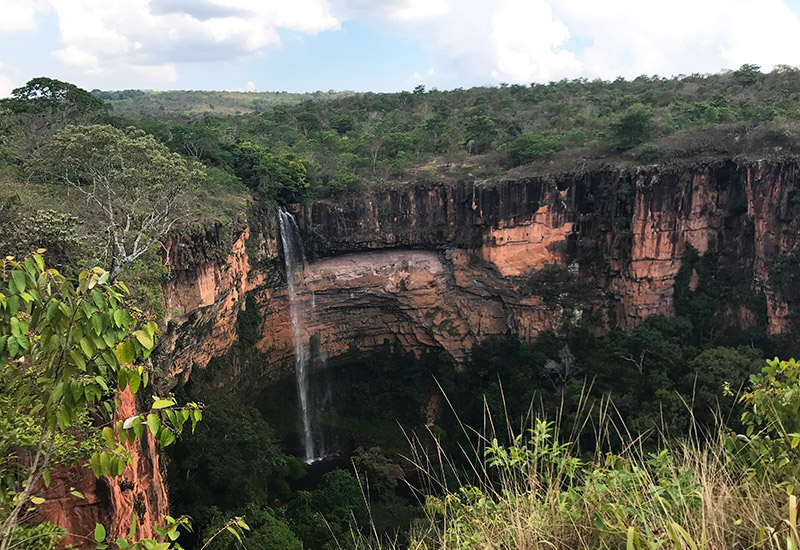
pixel 383 45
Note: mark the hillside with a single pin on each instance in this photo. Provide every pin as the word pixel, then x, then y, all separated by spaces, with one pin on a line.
pixel 347 141
pixel 141 103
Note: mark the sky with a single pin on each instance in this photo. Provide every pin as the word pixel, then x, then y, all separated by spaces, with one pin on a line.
pixel 383 45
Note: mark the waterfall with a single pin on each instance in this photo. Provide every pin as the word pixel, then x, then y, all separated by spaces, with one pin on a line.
pixel 296 266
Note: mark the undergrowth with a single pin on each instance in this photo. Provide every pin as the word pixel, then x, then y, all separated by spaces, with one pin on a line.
pixel 711 490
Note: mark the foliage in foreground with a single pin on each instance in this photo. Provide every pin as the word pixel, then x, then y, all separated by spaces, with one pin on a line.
pixel 66 348
pixel 735 491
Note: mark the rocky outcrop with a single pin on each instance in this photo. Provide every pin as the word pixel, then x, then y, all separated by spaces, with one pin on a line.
pixel 139 491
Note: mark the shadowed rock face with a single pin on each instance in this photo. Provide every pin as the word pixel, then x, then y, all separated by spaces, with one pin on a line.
pixel 440 267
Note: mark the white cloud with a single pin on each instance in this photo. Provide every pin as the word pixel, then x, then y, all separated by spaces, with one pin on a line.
pixel 166 72
pixel 394 10
pixel 478 41
pixel 19 15
pixel 415 79
pixel 470 42
pixel 249 87
pixel 528 43
pixel 7 83
pixel 150 37
pixel 78 58
pixel 521 41
pixel 633 37
pixel 5 86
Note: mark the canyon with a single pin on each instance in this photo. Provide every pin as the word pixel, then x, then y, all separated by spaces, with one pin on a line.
pixel 440 266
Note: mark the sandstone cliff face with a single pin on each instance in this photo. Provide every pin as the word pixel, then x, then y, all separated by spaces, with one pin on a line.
pixel 140 490
pixel 623 230
pixel 443 266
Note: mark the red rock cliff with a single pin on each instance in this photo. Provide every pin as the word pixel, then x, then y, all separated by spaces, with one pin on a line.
pixel 139 490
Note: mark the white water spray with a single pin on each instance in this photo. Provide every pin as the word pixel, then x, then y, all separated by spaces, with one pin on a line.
pixel 296 266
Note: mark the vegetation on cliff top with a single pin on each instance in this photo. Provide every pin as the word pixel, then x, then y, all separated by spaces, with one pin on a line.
pixel 482 132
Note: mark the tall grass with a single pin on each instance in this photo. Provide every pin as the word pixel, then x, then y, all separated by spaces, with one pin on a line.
pixel 542 491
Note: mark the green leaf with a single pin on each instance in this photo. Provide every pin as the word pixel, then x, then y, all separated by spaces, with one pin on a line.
pixel 37 500
pixel 77 357
pixel 125 352
pixel 144 339
pixel 76 494
pixel 13 305
pixel 122 318
pixel 235 533
pixel 138 426
pixel 105 463
pixel 163 403
pixel 134 380
pixel 122 379
pixel 29 266
pixel 108 435
pixel 87 347
pixel 94 463
pixel 132 531
pixel 46 477
pixel 13 347
pixel 101 382
pixel 119 467
pixel 166 438
pixel 97 296
pixel 23 342
pixel 19 280
pixel 99 533
pixel 154 423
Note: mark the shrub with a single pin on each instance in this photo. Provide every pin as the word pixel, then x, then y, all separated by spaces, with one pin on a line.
pixel 530 146
pixel 632 127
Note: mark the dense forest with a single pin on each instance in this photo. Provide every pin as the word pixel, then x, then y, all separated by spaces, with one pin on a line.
pixel 697 449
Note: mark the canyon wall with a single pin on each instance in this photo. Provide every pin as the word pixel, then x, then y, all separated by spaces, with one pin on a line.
pixel 441 266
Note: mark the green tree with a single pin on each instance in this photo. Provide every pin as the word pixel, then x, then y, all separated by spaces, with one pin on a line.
pixel 134 183
pixel 66 347
pixel 323 518
pixel 36 111
pixel 530 146
pixel 748 74
pixel 48 95
pixel 632 127
pixel 267 532
pixel 479 130
pixel 771 442
pixel 282 179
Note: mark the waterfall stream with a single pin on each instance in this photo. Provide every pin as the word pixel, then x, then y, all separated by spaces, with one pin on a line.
pixel 299 310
